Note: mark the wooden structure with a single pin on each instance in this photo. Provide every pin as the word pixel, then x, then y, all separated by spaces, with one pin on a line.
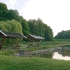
pixel 4 35
pixel 34 38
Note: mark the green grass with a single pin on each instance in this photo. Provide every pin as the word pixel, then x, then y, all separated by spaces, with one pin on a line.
pixel 32 63
pixel 8 52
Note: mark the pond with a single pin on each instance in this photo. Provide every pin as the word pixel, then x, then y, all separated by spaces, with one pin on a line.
pixel 60 53
pixel 59 56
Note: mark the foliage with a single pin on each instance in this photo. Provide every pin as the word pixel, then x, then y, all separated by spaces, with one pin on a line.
pixel 11 26
pixel 3 11
pixel 25 26
pixel 13 14
pixel 63 35
pixel 48 34
pixel 37 27
pixel 31 24
pixel 6 14
pixel 7 52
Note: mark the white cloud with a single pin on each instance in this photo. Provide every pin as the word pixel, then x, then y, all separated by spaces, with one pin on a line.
pixel 55 13
pixel 11 3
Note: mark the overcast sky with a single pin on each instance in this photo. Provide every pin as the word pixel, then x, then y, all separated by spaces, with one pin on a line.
pixel 54 13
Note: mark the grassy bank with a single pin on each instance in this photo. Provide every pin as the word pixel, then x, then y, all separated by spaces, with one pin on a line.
pixel 21 63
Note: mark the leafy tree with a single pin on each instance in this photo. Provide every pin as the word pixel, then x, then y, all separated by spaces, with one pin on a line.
pixel 25 27
pixel 14 26
pixel 48 34
pixel 40 26
pixel 6 14
pixel 32 25
pixel 63 35
pixel 11 26
pixel 3 11
pixel 13 14
pixel 37 27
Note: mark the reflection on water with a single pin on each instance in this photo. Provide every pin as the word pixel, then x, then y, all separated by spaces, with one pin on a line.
pixel 58 56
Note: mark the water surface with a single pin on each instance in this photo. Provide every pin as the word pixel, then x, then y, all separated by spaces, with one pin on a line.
pixel 59 56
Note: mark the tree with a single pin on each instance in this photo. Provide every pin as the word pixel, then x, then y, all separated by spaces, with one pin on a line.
pixel 37 27
pixel 48 34
pixel 63 35
pixel 32 26
pixel 11 26
pixel 25 27
pixel 3 11
pixel 6 14
pixel 13 14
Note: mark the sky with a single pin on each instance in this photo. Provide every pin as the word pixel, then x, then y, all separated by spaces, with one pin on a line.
pixel 54 13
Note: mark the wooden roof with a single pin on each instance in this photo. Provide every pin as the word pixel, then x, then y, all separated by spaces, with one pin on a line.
pixel 10 35
pixel 34 37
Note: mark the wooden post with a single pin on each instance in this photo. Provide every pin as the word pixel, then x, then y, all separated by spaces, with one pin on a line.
pixel 17 42
pixel 1 42
pixel 30 43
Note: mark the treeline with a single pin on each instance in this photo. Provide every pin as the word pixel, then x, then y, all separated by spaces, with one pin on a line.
pixel 37 27
pixel 10 20
pixel 63 35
